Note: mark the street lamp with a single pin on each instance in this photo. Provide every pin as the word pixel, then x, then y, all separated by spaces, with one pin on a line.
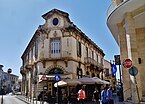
pixel 118 62
pixel 1 79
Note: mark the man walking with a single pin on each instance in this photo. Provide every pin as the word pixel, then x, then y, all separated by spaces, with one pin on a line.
pixel 110 95
pixel 104 96
pixel 96 96
pixel 81 95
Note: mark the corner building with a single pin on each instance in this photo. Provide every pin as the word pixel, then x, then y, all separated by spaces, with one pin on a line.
pixel 126 21
pixel 58 47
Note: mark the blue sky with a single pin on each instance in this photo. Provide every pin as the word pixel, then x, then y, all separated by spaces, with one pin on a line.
pixel 19 19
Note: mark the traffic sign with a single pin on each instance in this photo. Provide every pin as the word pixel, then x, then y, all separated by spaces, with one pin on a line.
pixel 113 68
pixel 57 78
pixel 44 78
pixel 133 71
pixel 127 63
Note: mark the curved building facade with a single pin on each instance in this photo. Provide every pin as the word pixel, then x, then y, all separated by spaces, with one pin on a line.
pixel 126 21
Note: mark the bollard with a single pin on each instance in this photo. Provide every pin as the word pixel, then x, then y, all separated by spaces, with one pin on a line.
pixel 36 100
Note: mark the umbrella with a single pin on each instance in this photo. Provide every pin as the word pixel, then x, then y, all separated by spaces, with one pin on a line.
pixel 60 83
pixel 94 80
pixel 67 82
pixel 100 81
pixel 87 80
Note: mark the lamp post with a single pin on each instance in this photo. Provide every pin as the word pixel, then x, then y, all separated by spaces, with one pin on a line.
pixel 1 79
pixel 118 62
pixel 2 90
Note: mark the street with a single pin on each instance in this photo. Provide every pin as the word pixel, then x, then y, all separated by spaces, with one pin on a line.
pixel 15 99
pixel 11 99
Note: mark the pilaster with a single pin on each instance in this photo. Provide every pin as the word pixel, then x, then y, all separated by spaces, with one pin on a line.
pixel 124 54
pixel 132 54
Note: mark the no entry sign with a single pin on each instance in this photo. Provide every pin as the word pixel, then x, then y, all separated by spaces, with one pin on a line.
pixel 127 63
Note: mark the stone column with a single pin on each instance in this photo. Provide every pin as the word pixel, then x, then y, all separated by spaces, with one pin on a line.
pixel 23 85
pixel 132 53
pixel 123 55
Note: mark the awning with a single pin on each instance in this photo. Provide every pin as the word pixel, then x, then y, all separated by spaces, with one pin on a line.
pixel 51 77
pixel 67 82
pixel 100 80
pixel 94 80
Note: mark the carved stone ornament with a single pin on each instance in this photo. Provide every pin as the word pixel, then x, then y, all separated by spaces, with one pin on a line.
pixel 55 34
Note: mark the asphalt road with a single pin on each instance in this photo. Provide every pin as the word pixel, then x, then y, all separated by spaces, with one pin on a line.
pixel 11 99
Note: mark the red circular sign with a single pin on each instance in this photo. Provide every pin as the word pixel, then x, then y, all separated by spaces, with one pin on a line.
pixel 127 63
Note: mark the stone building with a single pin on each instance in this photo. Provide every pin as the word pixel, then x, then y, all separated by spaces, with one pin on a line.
pixel 58 47
pixel 108 75
pixel 126 21
pixel 8 81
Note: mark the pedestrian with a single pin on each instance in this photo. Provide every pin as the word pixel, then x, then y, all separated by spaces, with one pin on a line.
pixel 81 95
pixel 110 95
pixel 64 98
pixel 96 96
pixel 104 96
pixel 73 97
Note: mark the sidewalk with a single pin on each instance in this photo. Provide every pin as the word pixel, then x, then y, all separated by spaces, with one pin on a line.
pixel 31 101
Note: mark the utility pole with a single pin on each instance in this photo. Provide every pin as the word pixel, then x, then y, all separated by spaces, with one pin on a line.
pixel 1 79
pixel 118 62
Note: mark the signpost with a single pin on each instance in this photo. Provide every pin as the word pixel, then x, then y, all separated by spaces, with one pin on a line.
pixel 127 63
pixel 118 62
pixel 133 71
pixel 57 78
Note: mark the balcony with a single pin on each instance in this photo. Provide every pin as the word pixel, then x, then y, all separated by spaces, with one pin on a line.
pixel 22 71
pixel 29 66
pixel 115 5
pixel 89 60
pixel 116 14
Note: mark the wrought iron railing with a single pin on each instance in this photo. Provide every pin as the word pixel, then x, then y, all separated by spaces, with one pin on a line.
pixel 89 60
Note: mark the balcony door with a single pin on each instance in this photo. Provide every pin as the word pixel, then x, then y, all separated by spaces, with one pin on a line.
pixel 55 47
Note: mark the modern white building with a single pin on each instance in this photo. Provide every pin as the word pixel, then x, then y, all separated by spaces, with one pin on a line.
pixel 126 21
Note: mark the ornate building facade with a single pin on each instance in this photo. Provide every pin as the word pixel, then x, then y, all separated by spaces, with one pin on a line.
pixel 126 21
pixel 58 47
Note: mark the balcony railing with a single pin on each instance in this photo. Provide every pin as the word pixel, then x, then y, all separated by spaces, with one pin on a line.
pixel 89 60
pixel 115 5
pixel 111 8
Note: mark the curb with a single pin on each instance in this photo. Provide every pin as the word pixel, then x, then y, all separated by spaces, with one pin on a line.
pixel 22 100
